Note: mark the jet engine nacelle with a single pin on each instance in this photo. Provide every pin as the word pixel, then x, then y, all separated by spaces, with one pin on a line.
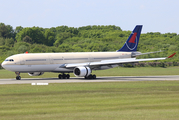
pixel 82 71
pixel 36 73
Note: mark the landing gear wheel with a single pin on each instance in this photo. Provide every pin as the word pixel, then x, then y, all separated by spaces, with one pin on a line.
pixel 18 78
pixel 67 76
pixel 94 76
pixel 59 76
pixel 64 76
pixel 90 77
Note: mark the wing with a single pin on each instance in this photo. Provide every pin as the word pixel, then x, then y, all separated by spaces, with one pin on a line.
pixel 112 62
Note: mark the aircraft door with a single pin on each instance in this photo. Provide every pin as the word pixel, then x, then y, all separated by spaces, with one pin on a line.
pixel 22 62
pixel 50 59
pixel 90 58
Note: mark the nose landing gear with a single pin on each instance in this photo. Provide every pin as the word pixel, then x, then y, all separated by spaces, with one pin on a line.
pixel 18 77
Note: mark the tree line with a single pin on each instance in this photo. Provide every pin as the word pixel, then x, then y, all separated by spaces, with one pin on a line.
pixel 83 39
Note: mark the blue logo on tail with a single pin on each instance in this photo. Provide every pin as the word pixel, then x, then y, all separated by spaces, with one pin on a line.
pixel 133 40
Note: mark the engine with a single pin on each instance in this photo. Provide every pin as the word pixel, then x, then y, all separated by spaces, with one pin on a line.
pixel 82 71
pixel 36 73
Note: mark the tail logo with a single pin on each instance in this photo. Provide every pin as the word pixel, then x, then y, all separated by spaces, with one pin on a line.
pixel 132 43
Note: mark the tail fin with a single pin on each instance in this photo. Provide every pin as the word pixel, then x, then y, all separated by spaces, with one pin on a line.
pixel 133 40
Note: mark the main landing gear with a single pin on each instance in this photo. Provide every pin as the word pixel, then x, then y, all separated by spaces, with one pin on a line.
pixel 67 76
pixel 90 77
pixel 18 77
pixel 63 76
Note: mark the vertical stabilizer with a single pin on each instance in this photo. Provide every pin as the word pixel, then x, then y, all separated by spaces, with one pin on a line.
pixel 133 40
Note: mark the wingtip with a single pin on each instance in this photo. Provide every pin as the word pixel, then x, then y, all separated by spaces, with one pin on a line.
pixel 171 55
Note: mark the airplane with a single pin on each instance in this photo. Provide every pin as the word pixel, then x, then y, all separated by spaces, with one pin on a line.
pixel 80 63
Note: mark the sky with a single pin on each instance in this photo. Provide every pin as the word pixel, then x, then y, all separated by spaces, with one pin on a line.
pixel 155 15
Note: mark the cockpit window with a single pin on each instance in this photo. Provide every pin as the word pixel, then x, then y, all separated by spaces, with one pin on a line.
pixel 9 60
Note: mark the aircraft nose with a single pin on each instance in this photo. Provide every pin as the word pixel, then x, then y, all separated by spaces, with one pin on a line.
pixel 3 64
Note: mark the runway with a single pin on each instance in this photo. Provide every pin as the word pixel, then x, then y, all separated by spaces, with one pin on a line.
pixel 99 79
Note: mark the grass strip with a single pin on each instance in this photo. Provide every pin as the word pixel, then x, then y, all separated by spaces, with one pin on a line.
pixel 147 100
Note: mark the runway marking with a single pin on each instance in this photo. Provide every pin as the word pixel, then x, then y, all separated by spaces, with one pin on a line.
pixel 99 79
pixel 39 83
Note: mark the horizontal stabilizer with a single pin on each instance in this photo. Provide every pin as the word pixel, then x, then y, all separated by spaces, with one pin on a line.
pixel 135 54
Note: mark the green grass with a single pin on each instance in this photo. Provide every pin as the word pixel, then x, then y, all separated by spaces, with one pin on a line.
pixel 147 100
pixel 138 71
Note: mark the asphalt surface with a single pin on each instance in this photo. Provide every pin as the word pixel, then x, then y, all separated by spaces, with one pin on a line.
pixel 76 79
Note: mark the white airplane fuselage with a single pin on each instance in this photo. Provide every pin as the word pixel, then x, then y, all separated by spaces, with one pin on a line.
pixel 53 62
